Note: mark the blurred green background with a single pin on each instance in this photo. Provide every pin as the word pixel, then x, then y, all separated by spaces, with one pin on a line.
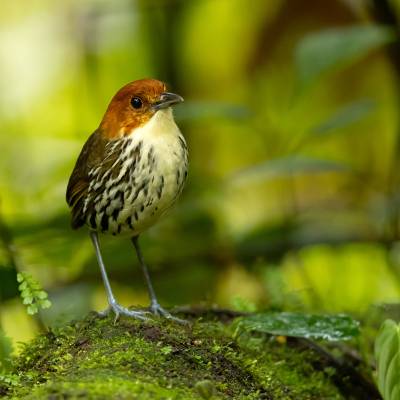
pixel 291 116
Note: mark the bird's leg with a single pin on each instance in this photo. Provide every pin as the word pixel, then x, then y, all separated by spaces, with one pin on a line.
pixel 155 306
pixel 112 302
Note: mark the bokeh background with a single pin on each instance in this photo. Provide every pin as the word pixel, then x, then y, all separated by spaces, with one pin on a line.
pixel 291 116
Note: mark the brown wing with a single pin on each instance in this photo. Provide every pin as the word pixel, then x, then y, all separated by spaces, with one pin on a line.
pixel 92 155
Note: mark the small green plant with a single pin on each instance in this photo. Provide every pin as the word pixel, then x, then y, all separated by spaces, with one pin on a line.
pixel 32 293
pixel 387 354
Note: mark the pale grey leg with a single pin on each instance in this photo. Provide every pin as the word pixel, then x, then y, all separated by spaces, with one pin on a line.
pixel 155 306
pixel 113 304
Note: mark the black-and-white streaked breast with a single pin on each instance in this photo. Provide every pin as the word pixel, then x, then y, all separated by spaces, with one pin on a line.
pixel 142 183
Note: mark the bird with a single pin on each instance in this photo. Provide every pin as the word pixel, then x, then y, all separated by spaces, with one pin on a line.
pixel 130 171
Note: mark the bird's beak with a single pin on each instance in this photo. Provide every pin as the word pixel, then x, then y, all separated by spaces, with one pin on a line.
pixel 166 100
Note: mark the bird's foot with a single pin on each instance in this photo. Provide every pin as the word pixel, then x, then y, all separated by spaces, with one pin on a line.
pixel 156 309
pixel 119 310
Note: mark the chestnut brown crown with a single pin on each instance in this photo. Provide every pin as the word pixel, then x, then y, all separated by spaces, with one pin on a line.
pixel 133 105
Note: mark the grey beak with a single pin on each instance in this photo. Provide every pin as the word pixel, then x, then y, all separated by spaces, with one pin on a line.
pixel 166 100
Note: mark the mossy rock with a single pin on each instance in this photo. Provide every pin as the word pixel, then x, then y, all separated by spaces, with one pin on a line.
pixel 96 358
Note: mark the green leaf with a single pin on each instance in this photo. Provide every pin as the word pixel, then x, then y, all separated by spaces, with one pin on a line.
pixel 32 309
pixel 286 167
pixel 387 354
pixel 45 304
pixel 26 293
pixel 41 295
pixel 345 116
pixel 33 284
pixel 317 53
pixel 20 277
pixel 327 327
pixel 27 300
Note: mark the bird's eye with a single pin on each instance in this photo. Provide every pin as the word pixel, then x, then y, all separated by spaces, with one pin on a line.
pixel 136 102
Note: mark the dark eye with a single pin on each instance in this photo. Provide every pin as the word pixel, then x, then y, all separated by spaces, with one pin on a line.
pixel 136 102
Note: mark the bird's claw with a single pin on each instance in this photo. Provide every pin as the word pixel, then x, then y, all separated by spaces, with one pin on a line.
pixel 119 310
pixel 156 309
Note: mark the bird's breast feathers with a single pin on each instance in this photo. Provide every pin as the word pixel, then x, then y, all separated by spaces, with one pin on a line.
pixel 142 182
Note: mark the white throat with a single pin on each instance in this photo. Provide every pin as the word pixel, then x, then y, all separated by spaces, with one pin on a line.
pixel 162 123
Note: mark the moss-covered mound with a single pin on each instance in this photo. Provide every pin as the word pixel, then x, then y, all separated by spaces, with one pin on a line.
pixel 97 359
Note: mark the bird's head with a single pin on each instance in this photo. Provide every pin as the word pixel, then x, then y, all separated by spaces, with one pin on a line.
pixel 134 105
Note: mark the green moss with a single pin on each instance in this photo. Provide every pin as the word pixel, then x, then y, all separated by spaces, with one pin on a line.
pixel 96 359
